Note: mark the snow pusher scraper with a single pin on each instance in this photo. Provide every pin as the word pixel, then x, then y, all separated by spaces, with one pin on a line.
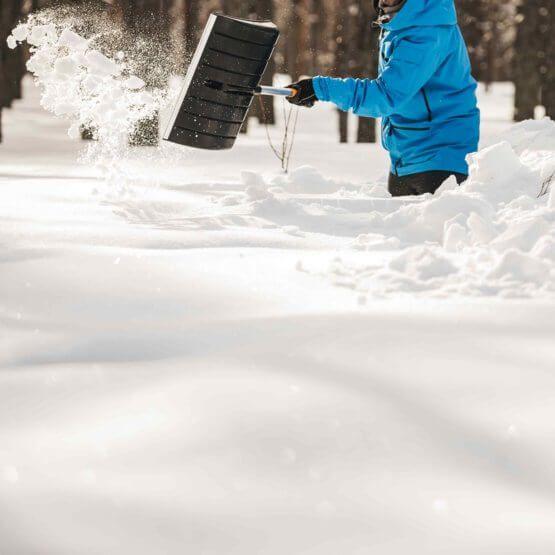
pixel 221 82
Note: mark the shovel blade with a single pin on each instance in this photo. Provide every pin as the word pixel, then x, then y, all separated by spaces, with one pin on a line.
pixel 235 53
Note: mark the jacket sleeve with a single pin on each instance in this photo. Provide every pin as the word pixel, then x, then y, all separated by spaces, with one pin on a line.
pixel 412 63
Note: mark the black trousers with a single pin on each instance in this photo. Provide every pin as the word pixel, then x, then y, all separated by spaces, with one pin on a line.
pixel 420 183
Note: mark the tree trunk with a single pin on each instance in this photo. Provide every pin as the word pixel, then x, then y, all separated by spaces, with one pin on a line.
pixel 549 87
pixel 472 20
pixel 11 61
pixel 14 64
pixel 527 67
pixel 365 42
pixel 366 132
pixel 191 28
pixel 149 18
pixel 342 58
pixel 312 19
pixel 343 118
pixel 1 92
pixel 264 108
pixel 297 40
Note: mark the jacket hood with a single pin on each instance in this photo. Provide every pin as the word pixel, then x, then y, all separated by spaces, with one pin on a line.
pixel 420 13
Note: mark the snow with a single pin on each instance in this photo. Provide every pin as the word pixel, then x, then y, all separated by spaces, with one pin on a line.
pixel 422 263
pixel 75 42
pixel 134 83
pixel 86 87
pixel 522 267
pixel 496 218
pixel 205 355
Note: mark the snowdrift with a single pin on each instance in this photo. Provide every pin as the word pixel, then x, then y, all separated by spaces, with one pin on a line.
pixel 186 368
pixel 494 235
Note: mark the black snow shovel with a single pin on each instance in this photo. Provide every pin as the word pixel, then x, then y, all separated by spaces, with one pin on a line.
pixel 221 82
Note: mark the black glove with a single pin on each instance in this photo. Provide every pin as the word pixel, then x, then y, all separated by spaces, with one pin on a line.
pixel 305 95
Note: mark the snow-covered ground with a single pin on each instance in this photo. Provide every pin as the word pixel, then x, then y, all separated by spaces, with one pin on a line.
pixel 221 359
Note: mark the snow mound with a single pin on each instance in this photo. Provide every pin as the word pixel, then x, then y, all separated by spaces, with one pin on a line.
pixel 493 235
pixel 309 180
pixel 422 263
pixel 521 267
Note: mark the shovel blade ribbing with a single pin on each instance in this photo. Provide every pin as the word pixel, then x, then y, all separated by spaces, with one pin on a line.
pixel 234 52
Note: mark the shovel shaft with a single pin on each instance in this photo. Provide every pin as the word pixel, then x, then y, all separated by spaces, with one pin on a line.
pixel 234 89
pixel 275 91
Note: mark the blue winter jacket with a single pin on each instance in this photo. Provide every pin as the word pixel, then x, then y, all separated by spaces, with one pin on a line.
pixel 424 90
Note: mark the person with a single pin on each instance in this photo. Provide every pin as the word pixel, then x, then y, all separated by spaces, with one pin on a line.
pixel 424 93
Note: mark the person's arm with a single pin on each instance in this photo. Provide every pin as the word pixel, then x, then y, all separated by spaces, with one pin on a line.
pixel 413 61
